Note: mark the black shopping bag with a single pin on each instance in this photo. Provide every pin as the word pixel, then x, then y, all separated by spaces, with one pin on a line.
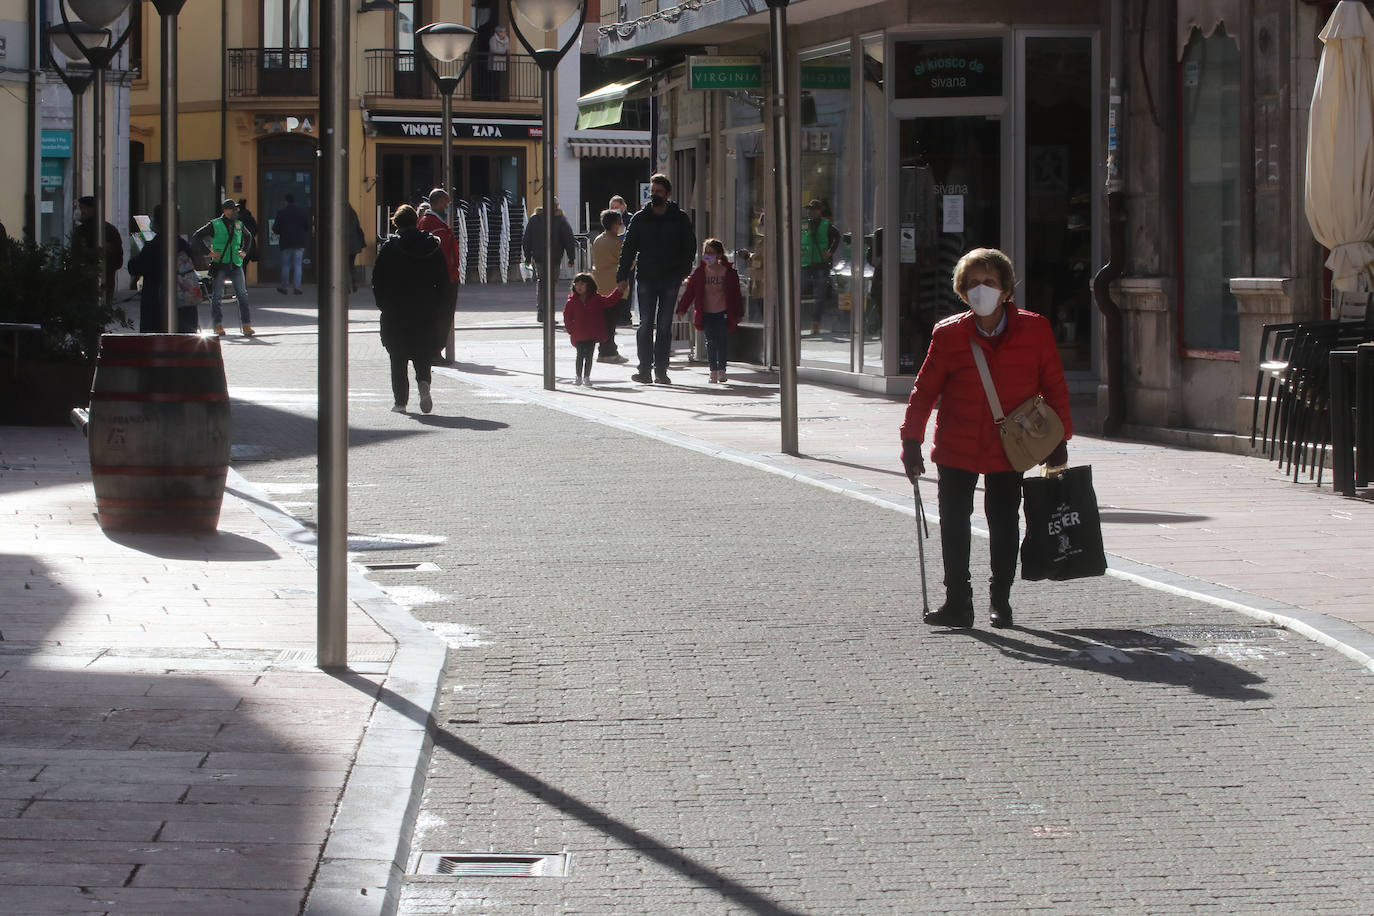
pixel 1063 530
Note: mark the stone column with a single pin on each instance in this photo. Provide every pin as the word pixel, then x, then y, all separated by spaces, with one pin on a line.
pixel 1153 379
pixel 1259 301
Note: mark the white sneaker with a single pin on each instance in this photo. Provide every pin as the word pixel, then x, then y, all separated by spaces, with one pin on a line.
pixel 426 402
pixel 398 408
pixel 587 381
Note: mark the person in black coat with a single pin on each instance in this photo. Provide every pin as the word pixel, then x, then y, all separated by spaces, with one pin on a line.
pixel 660 246
pixel 410 283
pixel 147 263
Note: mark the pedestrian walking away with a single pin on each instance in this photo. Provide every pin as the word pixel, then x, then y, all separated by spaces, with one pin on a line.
pixel 584 318
pixel 533 244
pixel 435 221
pixel 410 283
pixel 605 261
pixel 250 224
pixel 713 292
pixel 1023 359
pixel 292 226
pixel 228 241
pixel 660 245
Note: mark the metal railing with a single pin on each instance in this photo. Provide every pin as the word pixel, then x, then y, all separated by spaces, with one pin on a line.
pixel 274 72
pixel 397 74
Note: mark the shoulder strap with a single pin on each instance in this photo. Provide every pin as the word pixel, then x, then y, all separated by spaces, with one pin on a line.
pixel 988 387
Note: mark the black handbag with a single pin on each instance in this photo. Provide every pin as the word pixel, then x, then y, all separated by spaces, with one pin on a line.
pixel 1063 529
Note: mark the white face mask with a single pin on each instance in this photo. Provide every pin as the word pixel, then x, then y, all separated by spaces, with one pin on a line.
pixel 984 300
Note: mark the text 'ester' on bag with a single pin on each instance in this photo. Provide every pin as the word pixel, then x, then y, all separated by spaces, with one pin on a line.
pixel 1063 529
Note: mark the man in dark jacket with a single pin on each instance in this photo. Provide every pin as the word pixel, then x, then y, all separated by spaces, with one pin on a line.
pixel 292 226
pixel 533 244
pixel 84 235
pixel 409 282
pixel 659 248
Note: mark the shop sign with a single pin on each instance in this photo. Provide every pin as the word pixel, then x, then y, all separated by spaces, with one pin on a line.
pixel 57 144
pixel 424 128
pixel 705 72
pixel 825 76
pixel 945 69
pixel 282 124
pixel 52 174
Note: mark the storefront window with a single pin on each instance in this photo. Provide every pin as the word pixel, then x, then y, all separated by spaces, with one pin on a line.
pixel 875 141
pixel 1211 244
pixel 746 183
pixel 827 215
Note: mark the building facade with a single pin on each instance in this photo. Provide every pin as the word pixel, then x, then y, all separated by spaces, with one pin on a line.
pixel 925 129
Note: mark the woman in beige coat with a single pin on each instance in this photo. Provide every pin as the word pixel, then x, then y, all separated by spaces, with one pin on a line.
pixel 605 260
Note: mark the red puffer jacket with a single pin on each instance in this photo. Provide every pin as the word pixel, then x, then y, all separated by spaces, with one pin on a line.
pixel 1023 361
pixel 586 320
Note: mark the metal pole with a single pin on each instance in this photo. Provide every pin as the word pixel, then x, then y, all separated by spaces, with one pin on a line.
pixel 550 262
pixel 332 600
pixel 446 86
pixel 168 228
pixel 782 228
pixel 98 182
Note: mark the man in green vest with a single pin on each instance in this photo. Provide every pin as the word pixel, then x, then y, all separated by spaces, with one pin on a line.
pixel 819 239
pixel 229 241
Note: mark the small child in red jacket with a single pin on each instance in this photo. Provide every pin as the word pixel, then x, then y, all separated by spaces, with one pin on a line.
pixel 584 318
pixel 714 287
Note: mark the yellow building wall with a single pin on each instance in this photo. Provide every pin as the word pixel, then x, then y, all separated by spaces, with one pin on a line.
pixel 14 151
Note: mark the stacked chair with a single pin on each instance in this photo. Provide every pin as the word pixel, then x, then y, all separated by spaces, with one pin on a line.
pixel 1294 383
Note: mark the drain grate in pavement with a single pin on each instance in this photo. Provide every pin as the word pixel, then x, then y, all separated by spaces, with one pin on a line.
pixel 494 865
pixel 355 654
pixel 1213 632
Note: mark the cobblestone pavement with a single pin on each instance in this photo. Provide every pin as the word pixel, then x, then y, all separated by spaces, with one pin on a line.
pixel 710 686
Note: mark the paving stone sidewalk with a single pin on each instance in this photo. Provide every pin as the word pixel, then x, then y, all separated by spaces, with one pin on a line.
pixel 707 683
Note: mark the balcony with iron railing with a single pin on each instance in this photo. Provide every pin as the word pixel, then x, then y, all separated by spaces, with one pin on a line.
pixel 274 72
pixel 389 73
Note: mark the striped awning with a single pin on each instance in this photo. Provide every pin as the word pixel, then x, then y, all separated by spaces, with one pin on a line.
pixel 613 149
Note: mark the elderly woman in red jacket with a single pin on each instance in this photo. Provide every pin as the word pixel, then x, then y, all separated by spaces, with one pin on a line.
pixel 1024 361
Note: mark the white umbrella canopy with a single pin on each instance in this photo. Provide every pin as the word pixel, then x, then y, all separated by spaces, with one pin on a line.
pixel 1340 147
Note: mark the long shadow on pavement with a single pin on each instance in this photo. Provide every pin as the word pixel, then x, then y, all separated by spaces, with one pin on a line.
pixel 666 856
pixel 1133 655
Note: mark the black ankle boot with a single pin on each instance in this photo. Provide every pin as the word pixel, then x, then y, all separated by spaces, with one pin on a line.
pixel 957 611
pixel 1001 606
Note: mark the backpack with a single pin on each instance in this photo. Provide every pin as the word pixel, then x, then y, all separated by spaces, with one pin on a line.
pixel 188 284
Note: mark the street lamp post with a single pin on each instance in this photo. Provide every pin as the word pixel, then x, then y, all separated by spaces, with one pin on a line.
pixel 100 15
pixel 542 17
pixel 78 80
pixel 782 228
pixel 446 42
pixel 168 10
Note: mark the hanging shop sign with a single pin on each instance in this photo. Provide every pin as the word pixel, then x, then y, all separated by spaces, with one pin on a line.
pixel 705 72
pixel 948 69
pixel 57 144
pixel 283 124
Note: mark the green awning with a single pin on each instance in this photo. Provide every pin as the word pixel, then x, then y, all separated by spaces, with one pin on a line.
pixel 602 108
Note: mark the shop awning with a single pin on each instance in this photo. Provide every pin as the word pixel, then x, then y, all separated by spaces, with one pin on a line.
pixel 601 108
pixel 616 149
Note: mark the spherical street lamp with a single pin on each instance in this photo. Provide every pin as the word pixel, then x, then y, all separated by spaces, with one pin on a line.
pixel 541 17
pixel 446 42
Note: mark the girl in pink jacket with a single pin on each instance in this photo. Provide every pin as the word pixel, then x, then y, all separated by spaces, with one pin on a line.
pixel 714 288
pixel 585 321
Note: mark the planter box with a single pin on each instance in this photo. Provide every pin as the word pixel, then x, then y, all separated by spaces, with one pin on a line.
pixel 39 392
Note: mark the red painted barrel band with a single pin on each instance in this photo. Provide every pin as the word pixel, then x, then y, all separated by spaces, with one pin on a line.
pixel 159 470
pixel 204 505
pixel 160 343
pixel 160 397
pixel 163 362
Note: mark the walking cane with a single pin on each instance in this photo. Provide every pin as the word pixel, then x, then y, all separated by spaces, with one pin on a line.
pixel 922 532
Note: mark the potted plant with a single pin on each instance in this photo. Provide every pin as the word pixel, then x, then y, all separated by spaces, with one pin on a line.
pixel 44 373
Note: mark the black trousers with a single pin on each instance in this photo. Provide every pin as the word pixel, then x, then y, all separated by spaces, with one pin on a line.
pixel 1001 508
pixel 586 349
pixel 400 384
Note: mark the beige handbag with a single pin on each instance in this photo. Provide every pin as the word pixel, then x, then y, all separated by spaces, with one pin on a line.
pixel 1031 431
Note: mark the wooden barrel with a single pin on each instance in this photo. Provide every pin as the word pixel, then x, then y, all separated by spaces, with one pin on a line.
pixel 159 432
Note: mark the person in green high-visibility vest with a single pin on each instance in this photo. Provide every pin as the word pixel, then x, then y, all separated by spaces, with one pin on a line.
pixel 229 241
pixel 819 239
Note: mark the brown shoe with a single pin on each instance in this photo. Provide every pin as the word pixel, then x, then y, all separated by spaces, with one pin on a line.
pixel 219 330
pixel 247 330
